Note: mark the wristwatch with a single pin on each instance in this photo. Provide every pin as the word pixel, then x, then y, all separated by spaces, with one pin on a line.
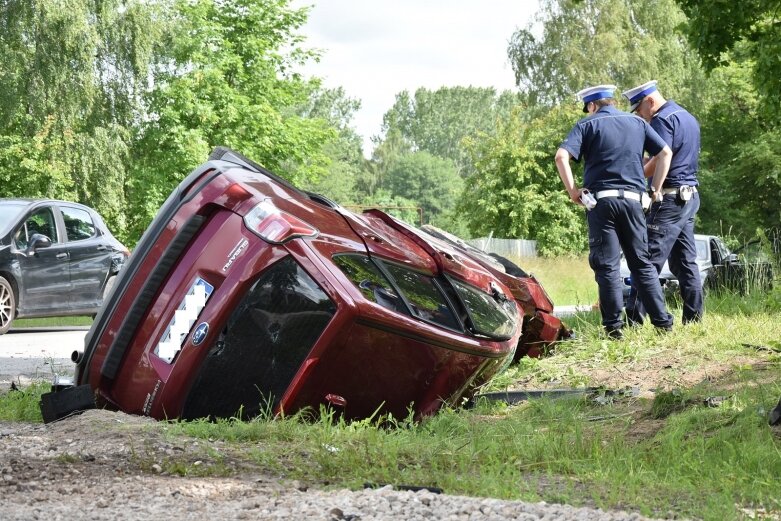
pixel 653 193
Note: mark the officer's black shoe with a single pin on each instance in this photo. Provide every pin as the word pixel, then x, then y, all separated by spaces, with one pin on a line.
pixel 614 333
pixel 663 330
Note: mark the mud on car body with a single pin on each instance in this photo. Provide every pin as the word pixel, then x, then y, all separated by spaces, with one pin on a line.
pixel 247 294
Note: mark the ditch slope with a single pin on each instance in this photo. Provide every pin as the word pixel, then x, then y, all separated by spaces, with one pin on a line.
pixel 107 465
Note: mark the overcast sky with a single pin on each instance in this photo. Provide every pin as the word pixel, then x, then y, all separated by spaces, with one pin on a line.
pixel 377 48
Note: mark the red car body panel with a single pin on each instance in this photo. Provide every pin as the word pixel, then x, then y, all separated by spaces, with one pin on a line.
pixel 338 348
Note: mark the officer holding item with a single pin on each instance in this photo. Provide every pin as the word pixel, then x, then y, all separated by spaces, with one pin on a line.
pixel 671 221
pixel 612 144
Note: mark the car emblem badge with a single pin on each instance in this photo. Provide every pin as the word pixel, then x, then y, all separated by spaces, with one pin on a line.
pixel 200 333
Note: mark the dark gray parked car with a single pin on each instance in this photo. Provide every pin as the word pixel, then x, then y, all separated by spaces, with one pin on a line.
pixel 56 258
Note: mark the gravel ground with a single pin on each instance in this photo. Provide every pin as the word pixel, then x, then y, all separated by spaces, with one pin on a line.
pixel 102 465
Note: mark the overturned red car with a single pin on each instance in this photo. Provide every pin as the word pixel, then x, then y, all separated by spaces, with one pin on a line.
pixel 246 294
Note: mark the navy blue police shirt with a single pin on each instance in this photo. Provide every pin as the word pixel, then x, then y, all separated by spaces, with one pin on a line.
pixel 681 132
pixel 612 143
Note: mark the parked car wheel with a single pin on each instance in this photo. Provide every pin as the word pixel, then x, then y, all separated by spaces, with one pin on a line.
pixel 109 285
pixel 7 305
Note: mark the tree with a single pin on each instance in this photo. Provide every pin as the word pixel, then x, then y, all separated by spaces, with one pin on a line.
pixel 430 181
pixel 437 121
pixel 741 156
pixel 225 76
pixel 71 77
pixel 340 179
pixel 715 27
pixel 517 192
pixel 575 43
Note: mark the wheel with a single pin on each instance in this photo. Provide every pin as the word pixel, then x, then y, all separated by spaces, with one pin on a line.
pixel 109 285
pixel 7 305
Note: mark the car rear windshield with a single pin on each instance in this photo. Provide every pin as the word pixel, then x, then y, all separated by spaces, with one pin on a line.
pixel 490 317
pixel 268 336
pixel 9 213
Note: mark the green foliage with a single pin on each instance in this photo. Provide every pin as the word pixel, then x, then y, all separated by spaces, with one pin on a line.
pixel 517 191
pixel 340 179
pixel 400 207
pixel 591 42
pixel 22 405
pixel 223 76
pixel 71 76
pixel 716 27
pixel 437 121
pixel 741 155
pixel 429 180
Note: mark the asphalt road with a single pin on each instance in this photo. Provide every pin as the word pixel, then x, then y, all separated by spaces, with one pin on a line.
pixel 38 353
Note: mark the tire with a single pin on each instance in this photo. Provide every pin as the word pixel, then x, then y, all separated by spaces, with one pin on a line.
pixel 7 305
pixel 108 286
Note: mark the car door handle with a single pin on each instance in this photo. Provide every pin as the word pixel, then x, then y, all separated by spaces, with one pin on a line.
pixel 102 248
pixel 62 255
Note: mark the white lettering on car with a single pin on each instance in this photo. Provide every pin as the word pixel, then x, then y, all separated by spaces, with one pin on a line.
pixel 235 252
pixel 150 397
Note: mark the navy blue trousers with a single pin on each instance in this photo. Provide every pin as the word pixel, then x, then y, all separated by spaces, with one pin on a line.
pixel 671 238
pixel 617 224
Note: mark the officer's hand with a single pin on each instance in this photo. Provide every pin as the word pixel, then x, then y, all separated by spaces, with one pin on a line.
pixel 574 195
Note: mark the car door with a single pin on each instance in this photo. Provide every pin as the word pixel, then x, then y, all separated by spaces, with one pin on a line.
pixel 89 258
pixel 726 272
pixel 44 273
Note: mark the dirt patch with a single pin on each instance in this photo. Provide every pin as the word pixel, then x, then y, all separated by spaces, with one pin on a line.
pixel 103 465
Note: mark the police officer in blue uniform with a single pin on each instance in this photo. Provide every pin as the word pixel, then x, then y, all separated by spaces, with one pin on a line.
pixel 671 221
pixel 612 143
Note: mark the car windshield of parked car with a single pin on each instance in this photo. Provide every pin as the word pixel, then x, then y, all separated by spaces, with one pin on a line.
pixel 490 317
pixel 40 221
pixel 702 249
pixel 9 213
pixel 78 224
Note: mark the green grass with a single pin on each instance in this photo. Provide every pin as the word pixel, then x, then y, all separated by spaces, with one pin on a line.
pixel 52 322
pixel 668 454
pixel 567 280
pixel 22 404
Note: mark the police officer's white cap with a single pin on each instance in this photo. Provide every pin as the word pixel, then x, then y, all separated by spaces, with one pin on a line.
pixel 637 94
pixel 590 94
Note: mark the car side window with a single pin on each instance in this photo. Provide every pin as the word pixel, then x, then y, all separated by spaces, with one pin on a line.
pixel 369 279
pixel 40 221
pixel 78 224
pixel 426 300
pixel 491 317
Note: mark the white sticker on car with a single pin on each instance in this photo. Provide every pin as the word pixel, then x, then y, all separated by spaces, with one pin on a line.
pixel 184 318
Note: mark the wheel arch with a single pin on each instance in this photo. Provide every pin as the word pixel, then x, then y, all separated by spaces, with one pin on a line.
pixel 14 285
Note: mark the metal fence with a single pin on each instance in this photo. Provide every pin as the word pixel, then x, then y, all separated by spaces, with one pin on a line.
pixel 506 247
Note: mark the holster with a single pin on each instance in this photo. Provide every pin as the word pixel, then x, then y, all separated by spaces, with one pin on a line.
pixel 645 201
pixel 685 193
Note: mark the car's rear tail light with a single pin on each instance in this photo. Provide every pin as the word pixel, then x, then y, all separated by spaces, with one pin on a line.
pixel 275 226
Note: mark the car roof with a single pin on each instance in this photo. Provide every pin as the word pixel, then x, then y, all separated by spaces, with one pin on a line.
pixel 30 202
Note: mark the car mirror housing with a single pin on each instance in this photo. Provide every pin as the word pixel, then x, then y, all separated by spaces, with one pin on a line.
pixel 38 240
